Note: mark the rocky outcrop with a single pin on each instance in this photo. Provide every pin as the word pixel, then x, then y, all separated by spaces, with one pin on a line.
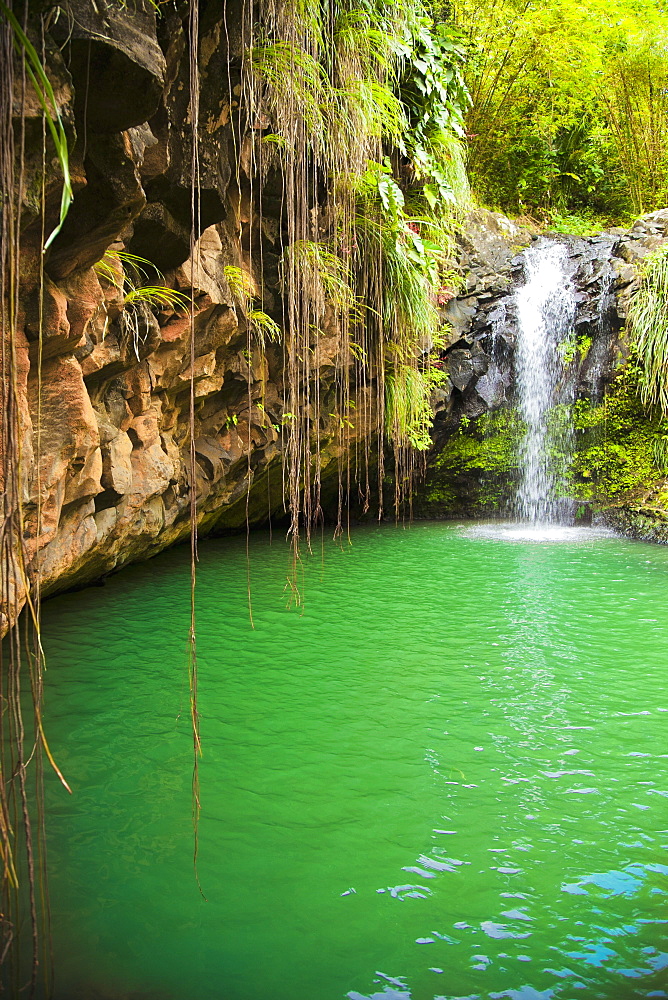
pixel 104 382
pixel 645 236
pixel 110 478
pixel 604 269
pixel 479 358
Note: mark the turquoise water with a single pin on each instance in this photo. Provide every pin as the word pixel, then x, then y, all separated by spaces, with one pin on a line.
pixel 447 777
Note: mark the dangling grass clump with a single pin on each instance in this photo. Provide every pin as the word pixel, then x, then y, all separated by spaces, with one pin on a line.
pixel 363 104
pixel 407 411
pixel 324 278
pixel 260 323
pixel 648 318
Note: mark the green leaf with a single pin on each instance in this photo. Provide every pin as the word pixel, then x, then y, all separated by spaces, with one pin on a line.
pixel 44 91
pixel 431 194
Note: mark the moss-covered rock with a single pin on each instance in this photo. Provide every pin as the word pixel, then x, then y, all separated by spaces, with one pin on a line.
pixel 618 464
pixel 618 469
pixel 475 473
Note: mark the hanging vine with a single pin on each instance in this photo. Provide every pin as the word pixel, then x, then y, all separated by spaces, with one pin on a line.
pixel 363 107
pixel 22 740
pixel 353 108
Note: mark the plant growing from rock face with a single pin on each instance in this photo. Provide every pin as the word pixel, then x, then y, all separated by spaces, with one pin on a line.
pixel 618 462
pixel 362 101
pixel 260 323
pixel 648 319
pixel 130 275
pixel 44 91
pixel 477 469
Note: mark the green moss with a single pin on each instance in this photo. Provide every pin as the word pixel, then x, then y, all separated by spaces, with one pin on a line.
pixel 575 349
pixel 476 471
pixel 619 466
pixel 488 444
pixel 616 459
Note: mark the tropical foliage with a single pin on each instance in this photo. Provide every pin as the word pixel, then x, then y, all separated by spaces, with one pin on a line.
pixel 570 107
pixel 364 102
pixel 648 318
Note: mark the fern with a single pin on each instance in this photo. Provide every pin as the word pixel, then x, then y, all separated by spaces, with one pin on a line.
pixel 159 296
pixel 264 327
pixel 239 284
pixel 124 271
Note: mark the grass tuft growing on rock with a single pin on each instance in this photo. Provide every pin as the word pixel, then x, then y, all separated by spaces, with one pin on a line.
pixel 648 319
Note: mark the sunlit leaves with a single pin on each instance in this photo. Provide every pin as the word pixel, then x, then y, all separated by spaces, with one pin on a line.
pixel 134 277
pixel 555 124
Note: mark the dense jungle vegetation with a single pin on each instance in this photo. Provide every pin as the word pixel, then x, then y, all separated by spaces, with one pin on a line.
pixel 569 113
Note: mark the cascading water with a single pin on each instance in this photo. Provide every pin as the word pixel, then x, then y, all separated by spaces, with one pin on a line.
pixel 545 313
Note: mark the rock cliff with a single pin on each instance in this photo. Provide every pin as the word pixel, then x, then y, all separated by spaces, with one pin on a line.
pixel 474 460
pixel 104 381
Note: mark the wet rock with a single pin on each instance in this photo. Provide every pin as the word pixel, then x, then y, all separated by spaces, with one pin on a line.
pixel 116 64
pixel 166 166
pixel 492 239
pixel 479 360
pixel 459 366
pixel 473 404
pixel 68 445
pixel 58 337
pixel 634 250
pixel 459 316
pixel 206 271
pixel 493 385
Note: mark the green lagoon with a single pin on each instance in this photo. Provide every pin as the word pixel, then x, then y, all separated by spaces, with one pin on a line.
pixel 446 776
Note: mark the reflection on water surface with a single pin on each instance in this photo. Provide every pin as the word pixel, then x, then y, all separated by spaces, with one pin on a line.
pixel 532 531
pixel 446 778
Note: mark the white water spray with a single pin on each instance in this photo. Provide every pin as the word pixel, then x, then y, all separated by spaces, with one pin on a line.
pixel 545 313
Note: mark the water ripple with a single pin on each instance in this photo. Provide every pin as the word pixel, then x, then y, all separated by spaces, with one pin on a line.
pixel 446 768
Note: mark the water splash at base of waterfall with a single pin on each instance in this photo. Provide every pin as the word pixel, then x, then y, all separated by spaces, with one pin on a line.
pixel 545 306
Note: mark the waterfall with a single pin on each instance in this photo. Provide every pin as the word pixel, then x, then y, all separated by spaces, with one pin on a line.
pixel 545 313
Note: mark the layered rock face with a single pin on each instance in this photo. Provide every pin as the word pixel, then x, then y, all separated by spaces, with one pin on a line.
pixel 103 391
